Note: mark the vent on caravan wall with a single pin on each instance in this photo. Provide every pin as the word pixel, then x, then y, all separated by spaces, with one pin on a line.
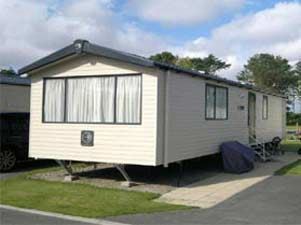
pixel 87 138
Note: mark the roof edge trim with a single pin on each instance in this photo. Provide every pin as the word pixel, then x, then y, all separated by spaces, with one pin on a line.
pixel 80 46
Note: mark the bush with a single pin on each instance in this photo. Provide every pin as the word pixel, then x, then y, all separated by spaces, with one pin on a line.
pixel 291 138
pixel 293 118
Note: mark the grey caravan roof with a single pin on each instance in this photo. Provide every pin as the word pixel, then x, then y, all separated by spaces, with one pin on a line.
pixel 14 80
pixel 81 47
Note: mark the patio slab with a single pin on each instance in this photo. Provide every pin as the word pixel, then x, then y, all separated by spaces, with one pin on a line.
pixel 216 189
pixel 275 200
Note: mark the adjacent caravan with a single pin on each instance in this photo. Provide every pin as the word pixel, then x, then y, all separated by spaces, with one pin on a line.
pixel 91 103
pixel 14 94
pixel 14 120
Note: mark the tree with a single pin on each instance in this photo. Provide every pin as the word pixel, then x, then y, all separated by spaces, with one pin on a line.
pixel 165 57
pixel 297 73
pixel 9 71
pixel 185 63
pixel 269 72
pixel 298 68
pixel 209 64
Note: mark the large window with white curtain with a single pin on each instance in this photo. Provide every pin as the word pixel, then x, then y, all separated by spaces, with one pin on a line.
pixel 97 99
pixel 216 102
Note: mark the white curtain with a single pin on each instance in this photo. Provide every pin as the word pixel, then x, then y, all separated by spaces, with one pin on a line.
pixel 210 102
pixel 54 100
pixel 221 103
pixel 91 100
pixel 128 99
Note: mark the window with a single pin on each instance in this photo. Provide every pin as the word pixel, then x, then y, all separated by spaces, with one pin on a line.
pixel 216 102
pixel 265 105
pixel 210 102
pixel 54 101
pixel 221 103
pixel 101 99
pixel 128 97
pixel 91 100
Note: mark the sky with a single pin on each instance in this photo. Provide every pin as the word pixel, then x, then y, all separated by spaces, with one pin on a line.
pixel 232 30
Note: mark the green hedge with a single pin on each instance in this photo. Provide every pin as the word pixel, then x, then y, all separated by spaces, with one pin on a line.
pixel 293 118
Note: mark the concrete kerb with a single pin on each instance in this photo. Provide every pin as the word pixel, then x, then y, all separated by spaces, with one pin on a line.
pixel 61 216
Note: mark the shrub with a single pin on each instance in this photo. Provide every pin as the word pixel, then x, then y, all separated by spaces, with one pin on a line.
pixel 293 118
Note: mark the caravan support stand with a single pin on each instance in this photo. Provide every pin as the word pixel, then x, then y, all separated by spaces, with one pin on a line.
pixel 121 169
pixel 68 168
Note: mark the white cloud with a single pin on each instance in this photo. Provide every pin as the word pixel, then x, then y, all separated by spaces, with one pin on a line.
pixel 31 29
pixel 179 12
pixel 276 30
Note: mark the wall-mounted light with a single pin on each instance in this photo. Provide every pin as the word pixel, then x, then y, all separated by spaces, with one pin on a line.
pixel 87 138
pixel 241 107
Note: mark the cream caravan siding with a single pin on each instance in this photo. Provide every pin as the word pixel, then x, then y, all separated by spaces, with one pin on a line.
pixel 189 134
pixel 127 144
pixel 267 129
pixel 14 98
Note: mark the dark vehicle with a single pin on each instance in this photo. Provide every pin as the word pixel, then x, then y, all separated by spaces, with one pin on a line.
pixel 14 134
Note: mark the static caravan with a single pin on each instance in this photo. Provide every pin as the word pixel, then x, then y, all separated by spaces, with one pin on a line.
pixel 96 104
pixel 14 94
pixel 14 120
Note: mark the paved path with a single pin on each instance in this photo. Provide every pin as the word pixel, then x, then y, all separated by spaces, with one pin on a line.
pixel 216 189
pixel 275 200
pixel 17 216
pixel 9 174
pixel 257 197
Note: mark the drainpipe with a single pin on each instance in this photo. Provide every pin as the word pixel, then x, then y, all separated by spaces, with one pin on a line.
pixel 166 119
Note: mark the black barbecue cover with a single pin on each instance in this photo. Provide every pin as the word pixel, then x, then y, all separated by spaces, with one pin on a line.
pixel 237 158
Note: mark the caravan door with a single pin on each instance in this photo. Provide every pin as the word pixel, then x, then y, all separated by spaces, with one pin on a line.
pixel 252 116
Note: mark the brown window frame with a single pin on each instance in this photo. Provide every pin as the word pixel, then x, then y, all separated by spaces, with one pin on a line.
pixel 66 78
pixel 206 104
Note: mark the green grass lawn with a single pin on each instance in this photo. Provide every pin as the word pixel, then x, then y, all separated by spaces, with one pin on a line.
pixel 78 199
pixel 292 169
pixel 291 127
pixel 290 145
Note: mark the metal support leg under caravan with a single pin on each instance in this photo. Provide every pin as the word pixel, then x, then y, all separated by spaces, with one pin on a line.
pixel 68 168
pixel 121 169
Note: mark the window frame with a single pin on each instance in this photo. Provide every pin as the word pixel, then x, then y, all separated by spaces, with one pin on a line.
pixel 265 116
pixel 66 78
pixel 214 108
